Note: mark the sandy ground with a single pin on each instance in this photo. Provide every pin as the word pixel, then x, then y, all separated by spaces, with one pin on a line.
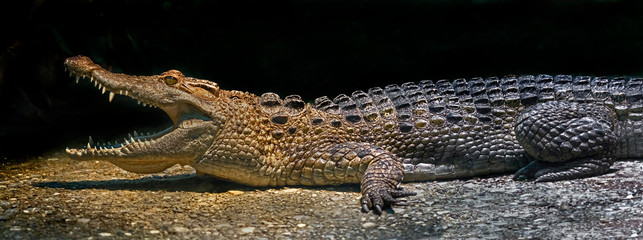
pixel 55 197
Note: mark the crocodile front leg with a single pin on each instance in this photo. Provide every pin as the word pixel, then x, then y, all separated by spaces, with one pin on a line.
pixel 569 140
pixel 380 171
pixel 381 181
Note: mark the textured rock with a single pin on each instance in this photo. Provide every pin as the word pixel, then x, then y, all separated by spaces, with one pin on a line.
pixel 124 204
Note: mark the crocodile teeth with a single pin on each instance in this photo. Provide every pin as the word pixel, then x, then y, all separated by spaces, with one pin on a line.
pixel 103 90
pixel 111 96
pixel 77 77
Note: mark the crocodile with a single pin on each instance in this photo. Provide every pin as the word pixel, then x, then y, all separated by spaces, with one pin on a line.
pixel 543 128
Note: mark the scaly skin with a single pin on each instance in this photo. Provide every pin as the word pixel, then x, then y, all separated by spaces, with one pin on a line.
pixel 547 128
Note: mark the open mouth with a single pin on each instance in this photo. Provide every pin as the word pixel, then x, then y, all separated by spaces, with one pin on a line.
pixel 185 117
pixel 134 140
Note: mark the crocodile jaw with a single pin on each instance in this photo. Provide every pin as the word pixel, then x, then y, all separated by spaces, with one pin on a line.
pixel 191 134
pixel 155 152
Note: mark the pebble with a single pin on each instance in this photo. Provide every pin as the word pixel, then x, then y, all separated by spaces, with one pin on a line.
pixel 368 225
pixel 443 212
pixel 179 229
pixel 155 231
pixel 300 217
pixel 235 192
pixel 83 220
pixel 247 229
pixel 105 234
pixel 290 190
pixel 470 185
pixel 11 211
pixel 29 210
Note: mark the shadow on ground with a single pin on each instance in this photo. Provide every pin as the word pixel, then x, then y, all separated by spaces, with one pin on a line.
pixel 175 183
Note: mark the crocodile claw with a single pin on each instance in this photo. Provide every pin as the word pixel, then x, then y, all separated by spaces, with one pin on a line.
pixel 546 172
pixel 383 197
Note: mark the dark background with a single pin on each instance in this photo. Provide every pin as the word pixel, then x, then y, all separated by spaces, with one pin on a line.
pixel 310 48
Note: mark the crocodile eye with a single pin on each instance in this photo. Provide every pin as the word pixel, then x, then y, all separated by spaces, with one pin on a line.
pixel 170 80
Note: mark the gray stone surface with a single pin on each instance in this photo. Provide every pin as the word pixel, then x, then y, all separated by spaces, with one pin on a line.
pixel 54 197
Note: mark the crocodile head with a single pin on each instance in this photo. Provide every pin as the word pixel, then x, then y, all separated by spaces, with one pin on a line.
pixel 184 99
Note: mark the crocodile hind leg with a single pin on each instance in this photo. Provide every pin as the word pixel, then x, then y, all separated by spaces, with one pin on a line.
pixel 568 140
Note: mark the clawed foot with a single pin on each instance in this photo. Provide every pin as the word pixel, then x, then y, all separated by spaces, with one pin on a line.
pixel 379 198
pixel 549 172
pixel 528 172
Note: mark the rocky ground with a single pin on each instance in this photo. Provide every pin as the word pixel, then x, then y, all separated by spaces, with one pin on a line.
pixel 55 197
